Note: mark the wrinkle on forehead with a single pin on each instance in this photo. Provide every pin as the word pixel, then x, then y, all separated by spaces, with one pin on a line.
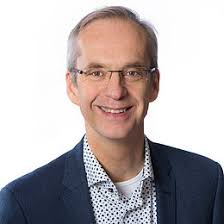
pixel 112 36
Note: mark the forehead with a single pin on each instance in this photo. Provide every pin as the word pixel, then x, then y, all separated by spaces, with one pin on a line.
pixel 111 41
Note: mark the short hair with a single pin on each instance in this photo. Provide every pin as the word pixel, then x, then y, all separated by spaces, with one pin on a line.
pixel 112 12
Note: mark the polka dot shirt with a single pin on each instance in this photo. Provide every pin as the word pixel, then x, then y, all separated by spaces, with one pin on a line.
pixel 111 206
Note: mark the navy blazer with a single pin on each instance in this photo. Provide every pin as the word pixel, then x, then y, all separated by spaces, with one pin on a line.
pixel 189 187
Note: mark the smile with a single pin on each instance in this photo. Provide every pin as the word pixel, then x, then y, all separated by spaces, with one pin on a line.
pixel 114 111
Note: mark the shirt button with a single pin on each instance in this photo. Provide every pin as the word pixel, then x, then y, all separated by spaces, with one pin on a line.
pixel 111 190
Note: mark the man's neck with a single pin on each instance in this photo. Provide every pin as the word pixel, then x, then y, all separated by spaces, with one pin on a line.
pixel 121 159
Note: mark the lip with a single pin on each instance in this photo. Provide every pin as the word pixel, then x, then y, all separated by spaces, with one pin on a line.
pixel 116 116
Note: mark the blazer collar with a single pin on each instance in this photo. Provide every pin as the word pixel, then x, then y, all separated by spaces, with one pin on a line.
pixel 74 174
pixel 76 195
pixel 165 184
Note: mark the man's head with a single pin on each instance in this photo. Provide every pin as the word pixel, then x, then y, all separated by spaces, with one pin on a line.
pixel 113 12
pixel 113 104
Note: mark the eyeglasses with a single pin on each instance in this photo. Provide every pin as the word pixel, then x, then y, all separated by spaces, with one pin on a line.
pixel 128 74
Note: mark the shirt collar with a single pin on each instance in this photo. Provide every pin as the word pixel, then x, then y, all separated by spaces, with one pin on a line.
pixel 148 169
pixel 95 172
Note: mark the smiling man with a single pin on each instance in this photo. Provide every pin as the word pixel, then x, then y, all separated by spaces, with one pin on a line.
pixel 116 174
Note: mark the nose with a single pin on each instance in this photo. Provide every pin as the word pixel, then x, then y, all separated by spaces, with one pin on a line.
pixel 115 88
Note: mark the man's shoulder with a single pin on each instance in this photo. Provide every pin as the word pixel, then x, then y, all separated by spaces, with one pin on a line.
pixel 44 174
pixel 186 163
pixel 42 189
pixel 42 178
pixel 177 153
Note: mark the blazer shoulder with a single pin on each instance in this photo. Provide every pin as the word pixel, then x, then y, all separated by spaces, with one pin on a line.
pixel 41 178
pixel 199 181
pixel 183 161
pixel 30 196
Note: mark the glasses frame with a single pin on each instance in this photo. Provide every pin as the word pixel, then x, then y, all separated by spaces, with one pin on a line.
pixel 80 72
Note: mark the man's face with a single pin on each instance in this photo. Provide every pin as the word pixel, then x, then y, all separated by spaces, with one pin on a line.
pixel 113 44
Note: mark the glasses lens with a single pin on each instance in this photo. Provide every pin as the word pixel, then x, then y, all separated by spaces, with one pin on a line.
pixel 134 74
pixel 96 74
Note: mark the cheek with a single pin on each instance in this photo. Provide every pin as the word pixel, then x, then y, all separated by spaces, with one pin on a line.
pixel 141 94
pixel 87 96
pixel 142 98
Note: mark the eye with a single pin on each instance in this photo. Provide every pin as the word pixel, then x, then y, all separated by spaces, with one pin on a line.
pixel 134 73
pixel 95 73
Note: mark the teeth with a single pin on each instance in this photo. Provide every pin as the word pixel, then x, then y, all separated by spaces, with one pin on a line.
pixel 113 111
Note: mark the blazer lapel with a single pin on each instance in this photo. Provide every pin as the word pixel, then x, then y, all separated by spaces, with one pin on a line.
pixel 165 185
pixel 76 198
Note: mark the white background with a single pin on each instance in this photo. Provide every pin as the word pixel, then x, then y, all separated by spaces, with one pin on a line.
pixel 37 121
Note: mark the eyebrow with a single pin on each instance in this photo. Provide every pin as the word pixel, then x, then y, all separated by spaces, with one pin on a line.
pixel 134 64
pixel 95 65
pixel 127 65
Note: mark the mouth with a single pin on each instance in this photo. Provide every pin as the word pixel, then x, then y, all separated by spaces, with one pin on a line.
pixel 114 110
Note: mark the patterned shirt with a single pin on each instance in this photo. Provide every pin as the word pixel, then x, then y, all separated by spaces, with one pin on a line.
pixel 111 206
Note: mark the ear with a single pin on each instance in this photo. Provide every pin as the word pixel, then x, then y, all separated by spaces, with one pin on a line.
pixel 72 89
pixel 154 85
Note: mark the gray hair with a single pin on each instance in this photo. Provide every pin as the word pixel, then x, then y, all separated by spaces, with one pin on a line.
pixel 112 12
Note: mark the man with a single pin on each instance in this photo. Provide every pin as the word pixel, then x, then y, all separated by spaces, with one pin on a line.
pixel 115 174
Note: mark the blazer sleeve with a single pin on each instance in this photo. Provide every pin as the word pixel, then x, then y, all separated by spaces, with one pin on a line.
pixel 218 209
pixel 10 210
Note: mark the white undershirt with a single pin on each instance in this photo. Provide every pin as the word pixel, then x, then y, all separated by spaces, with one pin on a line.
pixel 127 187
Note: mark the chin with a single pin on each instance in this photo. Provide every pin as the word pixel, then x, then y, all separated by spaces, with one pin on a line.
pixel 117 131
pixel 116 134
